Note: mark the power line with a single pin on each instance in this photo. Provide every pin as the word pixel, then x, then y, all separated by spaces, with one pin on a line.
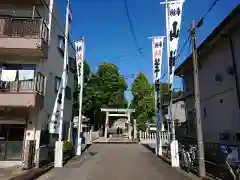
pixel 132 28
pixel 200 22
pixel 179 53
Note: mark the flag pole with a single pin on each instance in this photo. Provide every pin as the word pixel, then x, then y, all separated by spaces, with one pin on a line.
pixel 80 73
pixel 157 95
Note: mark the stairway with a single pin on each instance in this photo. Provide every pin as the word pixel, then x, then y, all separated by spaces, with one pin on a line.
pixel 115 140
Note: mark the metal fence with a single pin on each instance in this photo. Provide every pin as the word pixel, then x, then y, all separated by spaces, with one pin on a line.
pixel 44 155
pixel 23 27
pixel 35 85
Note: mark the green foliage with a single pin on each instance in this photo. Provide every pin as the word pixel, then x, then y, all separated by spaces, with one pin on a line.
pixel 68 149
pixel 143 101
pixel 105 88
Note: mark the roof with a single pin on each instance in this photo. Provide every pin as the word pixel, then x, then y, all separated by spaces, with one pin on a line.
pixel 174 101
pixel 182 97
pixel 213 36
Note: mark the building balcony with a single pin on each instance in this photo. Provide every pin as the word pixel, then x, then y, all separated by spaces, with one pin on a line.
pixel 24 2
pixel 23 93
pixel 23 37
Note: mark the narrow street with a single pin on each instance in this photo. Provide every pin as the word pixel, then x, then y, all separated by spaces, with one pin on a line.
pixel 116 162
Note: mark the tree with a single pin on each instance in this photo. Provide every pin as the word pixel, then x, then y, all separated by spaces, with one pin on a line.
pixel 143 101
pixel 105 88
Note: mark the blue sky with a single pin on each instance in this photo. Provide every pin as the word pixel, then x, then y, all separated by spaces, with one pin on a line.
pixel 108 37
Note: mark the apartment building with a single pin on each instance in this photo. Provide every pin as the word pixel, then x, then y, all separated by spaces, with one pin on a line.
pixel 31 60
pixel 219 71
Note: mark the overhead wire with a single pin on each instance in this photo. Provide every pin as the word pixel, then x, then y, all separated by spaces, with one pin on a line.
pixel 200 22
pixel 139 49
pixel 179 54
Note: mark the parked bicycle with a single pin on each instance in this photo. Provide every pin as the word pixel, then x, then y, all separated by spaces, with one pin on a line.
pixel 185 158
pixel 193 155
pixel 232 166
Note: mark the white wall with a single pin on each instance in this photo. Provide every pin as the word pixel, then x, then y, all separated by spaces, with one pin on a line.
pixel 219 104
pixel 178 111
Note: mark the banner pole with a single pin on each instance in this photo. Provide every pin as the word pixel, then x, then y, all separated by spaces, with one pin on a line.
pixel 80 73
pixel 157 49
pixel 173 17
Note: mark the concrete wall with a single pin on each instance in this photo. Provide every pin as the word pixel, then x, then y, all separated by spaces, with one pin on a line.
pixel 178 111
pixel 219 105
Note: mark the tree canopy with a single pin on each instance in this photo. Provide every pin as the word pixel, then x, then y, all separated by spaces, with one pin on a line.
pixel 105 88
pixel 143 101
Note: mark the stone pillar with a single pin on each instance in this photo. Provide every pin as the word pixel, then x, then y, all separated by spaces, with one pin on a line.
pixel 135 129
pixel 129 126
pixel 106 125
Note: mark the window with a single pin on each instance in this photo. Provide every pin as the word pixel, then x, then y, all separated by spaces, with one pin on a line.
pixel 72 64
pixel 61 44
pixel 238 137
pixel 224 136
pixel 218 78
pixel 57 83
pixel 68 93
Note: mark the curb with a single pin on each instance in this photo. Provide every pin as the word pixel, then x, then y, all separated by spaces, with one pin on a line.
pixel 37 172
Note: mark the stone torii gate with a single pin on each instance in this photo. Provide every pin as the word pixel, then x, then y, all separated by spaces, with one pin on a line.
pixel 111 112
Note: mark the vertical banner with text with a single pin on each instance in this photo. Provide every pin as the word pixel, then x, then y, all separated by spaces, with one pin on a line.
pixel 173 30
pixel 79 58
pixel 80 73
pixel 157 47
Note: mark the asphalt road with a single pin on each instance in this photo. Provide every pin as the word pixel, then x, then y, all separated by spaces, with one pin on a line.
pixel 116 162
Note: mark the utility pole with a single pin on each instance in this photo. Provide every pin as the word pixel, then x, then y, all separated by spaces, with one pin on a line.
pixel 197 102
pixel 59 143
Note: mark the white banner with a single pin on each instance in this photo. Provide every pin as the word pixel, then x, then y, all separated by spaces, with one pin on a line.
pixel 157 46
pixel 79 58
pixel 173 29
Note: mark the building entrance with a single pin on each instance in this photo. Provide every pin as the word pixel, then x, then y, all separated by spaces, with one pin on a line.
pixel 11 141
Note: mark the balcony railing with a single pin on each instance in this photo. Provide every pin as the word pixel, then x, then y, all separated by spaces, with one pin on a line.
pixel 24 86
pixel 23 27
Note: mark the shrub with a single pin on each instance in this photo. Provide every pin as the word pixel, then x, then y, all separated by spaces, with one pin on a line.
pixel 68 149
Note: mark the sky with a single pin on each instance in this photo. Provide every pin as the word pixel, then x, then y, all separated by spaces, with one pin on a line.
pixel 108 37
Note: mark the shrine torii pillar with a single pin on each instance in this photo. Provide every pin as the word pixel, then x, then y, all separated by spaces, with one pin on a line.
pixel 118 113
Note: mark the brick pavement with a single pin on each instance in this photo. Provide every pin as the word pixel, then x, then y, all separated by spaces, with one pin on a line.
pixel 116 162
